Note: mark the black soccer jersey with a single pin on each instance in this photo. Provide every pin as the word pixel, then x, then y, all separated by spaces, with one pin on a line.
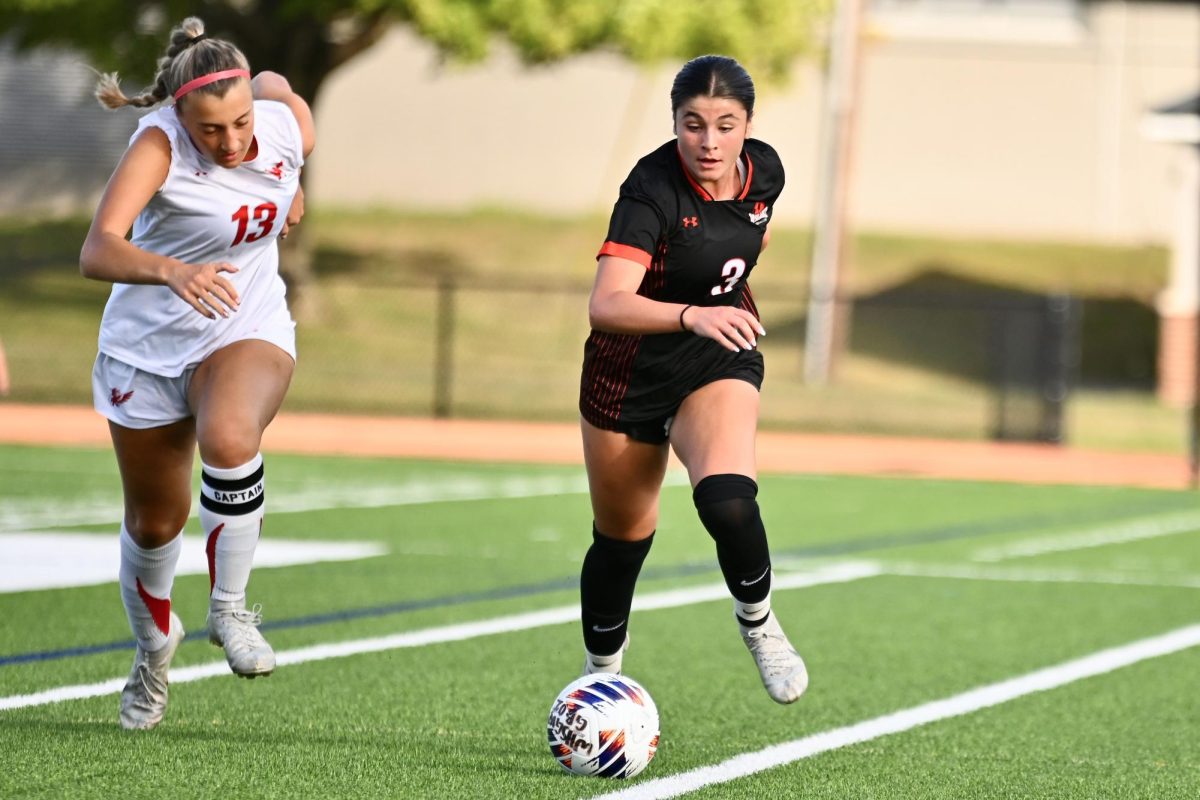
pixel 697 251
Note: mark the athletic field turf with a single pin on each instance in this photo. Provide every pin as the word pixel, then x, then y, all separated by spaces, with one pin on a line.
pixel 964 640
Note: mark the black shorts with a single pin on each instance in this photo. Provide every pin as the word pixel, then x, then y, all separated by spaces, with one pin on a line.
pixel 646 416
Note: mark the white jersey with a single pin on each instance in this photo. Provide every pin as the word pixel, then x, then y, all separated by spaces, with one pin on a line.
pixel 204 213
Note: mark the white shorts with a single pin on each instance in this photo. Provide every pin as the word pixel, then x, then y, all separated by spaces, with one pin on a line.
pixel 134 398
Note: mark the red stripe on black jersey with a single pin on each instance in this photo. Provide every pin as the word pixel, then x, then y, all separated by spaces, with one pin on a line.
pixel 747 302
pixel 625 251
pixel 749 176
pixel 656 277
pixel 609 370
pixel 608 374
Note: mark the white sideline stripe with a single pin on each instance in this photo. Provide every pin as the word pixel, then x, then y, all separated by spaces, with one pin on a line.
pixel 1034 575
pixel 19 515
pixel 834 573
pixel 1094 537
pixel 54 560
pixel 1097 663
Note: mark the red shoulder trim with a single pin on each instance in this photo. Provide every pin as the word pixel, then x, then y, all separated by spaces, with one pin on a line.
pixel 626 251
pixel 749 176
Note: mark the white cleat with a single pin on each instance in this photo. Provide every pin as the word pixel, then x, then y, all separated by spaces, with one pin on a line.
pixel 593 664
pixel 236 629
pixel 144 698
pixel 783 672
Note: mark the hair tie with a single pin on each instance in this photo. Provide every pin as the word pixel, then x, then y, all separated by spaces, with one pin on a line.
pixel 212 77
pixel 195 39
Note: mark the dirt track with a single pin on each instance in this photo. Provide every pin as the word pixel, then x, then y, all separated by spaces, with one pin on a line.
pixel 558 443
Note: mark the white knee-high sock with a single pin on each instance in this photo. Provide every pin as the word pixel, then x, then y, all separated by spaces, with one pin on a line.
pixel 146 580
pixel 231 513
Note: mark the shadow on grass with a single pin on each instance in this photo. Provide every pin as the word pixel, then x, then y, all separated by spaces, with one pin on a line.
pixel 407 265
pixel 32 245
pixel 945 323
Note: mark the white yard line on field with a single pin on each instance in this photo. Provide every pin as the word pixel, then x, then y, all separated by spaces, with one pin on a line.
pixel 20 515
pixel 1119 533
pixel 56 560
pixel 1035 575
pixel 968 702
pixel 833 573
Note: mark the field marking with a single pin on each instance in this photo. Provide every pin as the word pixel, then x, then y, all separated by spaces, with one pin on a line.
pixel 20 515
pixel 1098 663
pixel 1130 531
pixel 833 573
pixel 1035 575
pixel 54 560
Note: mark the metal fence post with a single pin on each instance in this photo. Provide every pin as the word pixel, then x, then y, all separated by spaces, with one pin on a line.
pixel 1059 361
pixel 445 323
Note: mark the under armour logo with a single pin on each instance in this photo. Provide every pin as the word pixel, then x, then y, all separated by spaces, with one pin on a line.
pixel 277 170
pixel 201 173
pixel 691 222
pixel 116 398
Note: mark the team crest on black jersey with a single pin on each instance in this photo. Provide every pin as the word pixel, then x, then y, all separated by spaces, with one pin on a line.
pixel 760 214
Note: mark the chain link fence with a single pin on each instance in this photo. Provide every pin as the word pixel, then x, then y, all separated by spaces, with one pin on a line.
pixel 938 364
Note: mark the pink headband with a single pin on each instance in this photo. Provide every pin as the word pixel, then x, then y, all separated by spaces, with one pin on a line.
pixel 212 77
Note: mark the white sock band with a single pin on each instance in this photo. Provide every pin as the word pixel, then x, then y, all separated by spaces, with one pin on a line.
pixel 231 513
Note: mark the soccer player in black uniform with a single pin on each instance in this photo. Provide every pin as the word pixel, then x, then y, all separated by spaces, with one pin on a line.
pixel 672 361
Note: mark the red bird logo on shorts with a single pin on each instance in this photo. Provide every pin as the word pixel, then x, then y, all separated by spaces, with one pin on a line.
pixel 116 398
pixel 277 170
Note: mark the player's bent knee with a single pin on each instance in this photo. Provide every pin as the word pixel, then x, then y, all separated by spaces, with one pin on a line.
pixel 727 504
pixel 229 446
pixel 151 530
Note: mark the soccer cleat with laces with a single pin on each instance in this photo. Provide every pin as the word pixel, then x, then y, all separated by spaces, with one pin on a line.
pixel 236 629
pixel 782 670
pixel 144 698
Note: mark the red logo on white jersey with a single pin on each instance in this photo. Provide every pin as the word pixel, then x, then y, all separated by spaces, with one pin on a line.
pixel 277 170
pixel 116 398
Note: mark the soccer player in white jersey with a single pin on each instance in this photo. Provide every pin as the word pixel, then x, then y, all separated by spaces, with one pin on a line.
pixel 197 346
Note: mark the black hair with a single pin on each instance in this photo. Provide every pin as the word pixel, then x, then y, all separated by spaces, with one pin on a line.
pixel 713 76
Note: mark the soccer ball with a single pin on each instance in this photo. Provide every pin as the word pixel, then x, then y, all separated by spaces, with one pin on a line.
pixel 604 725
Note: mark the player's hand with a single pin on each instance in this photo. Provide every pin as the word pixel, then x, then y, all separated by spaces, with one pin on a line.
pixel 204 288
pixel 294 213
pixel 734 328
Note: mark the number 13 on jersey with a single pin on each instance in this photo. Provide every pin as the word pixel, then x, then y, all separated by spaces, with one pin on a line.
pixel 263 214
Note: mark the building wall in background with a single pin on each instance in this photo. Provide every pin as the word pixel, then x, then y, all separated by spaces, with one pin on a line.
pixel 1021 125
pixel 57 145
pixel 1010 126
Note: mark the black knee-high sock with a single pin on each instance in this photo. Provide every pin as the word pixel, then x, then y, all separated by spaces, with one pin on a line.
pixel 728 508
pixel 610 571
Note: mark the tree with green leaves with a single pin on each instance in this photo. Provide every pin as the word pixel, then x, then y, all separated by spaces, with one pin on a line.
pixel 306 40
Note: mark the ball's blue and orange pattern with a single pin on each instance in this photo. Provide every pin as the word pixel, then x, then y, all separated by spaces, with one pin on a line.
pixel 604 725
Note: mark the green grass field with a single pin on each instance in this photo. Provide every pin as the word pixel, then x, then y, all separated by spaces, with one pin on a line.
pixel 959 585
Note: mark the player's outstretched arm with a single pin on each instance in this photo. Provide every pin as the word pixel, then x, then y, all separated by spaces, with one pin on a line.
pixel 273 86
pixel 616 307
pixel 108 256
